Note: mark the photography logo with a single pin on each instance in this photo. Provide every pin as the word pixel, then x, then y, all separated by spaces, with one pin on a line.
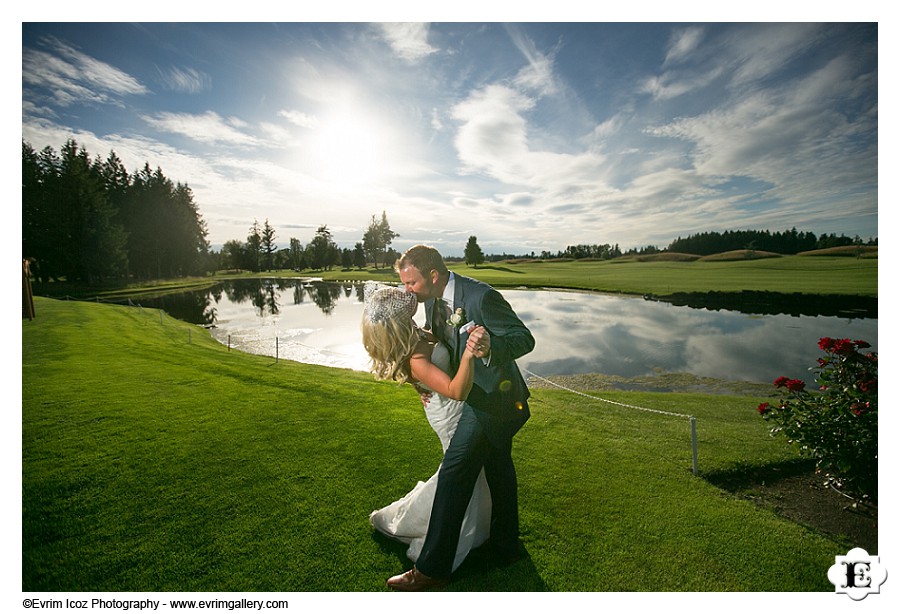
pixel 857 574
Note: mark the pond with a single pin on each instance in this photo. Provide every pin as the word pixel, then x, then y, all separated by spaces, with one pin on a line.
pixel 575 332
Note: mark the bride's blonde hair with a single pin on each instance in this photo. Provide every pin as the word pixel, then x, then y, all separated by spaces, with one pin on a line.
pixel 389 333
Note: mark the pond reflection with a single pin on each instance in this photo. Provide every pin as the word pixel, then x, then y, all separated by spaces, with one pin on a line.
pixel 629 337
pixel 575 332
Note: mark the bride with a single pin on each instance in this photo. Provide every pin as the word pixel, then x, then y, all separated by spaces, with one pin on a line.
pixel 402 352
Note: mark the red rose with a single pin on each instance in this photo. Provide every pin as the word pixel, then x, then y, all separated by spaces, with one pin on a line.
pixel 825 344
pixel 843 346
pixel 867 386
pixel 781 381
pixel 763 409
pixel 795 385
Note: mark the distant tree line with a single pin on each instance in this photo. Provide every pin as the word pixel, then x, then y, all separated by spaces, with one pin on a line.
pixel 706 243
pixel 259 252
pixel 788 242
pixel 91 220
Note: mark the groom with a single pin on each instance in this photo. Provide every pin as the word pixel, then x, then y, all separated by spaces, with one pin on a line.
pixel 495 410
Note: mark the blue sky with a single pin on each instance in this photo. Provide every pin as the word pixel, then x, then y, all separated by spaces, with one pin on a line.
pixel 530 136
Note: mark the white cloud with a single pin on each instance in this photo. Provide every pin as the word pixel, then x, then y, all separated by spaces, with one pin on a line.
pixel 276 133
pixel 760 52
pixel 209 127
pixel 536 76
pixel 492 137
pixel 684 41
pixel 70 76
pixel 791 138
pixel 187 80
pixel 298 118
pixel 408 40
pixel 673 84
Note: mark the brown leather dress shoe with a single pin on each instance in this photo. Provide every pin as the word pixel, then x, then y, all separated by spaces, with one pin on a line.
pixel 415 580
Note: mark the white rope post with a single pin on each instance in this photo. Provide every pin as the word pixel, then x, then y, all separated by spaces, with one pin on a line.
pixel 694 441
pixel 276 350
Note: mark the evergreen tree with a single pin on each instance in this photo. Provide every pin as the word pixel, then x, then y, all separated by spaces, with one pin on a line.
pixel 391 255
pixel 346 258
pixel 387 236
pixel 371 243
pixel 473 254
pixel 322 252
pixel 94 242
pixel 254 247
pixel 35 216
pixel 92 220
pixel 167 236
pixel 296 250
pixel 192 248
pixel 359 256
pixel 377 239
pixel 268 244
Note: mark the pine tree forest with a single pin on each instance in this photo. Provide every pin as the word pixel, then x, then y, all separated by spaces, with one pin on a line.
pixel 90 220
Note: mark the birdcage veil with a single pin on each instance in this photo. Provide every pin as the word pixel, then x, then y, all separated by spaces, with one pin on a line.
pixel 383 302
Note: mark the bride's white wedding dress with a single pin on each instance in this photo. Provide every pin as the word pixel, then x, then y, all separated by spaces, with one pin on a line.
pixel 407 519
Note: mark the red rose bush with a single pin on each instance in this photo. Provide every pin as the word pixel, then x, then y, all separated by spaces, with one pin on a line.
pixel 838 423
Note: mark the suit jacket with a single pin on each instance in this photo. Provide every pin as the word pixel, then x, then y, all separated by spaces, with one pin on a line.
pixel 499 395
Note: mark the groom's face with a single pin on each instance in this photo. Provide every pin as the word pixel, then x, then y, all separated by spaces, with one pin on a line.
pixel 424 286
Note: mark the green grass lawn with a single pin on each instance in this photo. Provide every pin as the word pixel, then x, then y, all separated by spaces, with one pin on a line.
pixel 787 274
pixel 153 459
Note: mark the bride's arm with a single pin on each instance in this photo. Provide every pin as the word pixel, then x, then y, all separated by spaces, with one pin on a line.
pixel 431 375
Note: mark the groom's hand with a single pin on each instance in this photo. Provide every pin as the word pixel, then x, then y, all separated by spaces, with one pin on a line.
pixel 479 342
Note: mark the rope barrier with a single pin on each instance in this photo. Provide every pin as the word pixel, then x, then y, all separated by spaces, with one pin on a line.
pixel 693 420
pixel 590 396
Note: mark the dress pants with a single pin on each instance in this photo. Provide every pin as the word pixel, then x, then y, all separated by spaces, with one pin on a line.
pixel 469 451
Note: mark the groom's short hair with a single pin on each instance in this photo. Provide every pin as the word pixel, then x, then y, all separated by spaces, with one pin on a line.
pixel 424 258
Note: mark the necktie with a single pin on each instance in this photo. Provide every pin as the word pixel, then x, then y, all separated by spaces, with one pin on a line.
pixel 443 330
pixel 442 320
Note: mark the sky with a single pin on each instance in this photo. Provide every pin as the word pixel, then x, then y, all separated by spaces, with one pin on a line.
pixel 530 136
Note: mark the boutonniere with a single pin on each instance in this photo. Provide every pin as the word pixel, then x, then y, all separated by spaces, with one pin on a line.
pixel 457 317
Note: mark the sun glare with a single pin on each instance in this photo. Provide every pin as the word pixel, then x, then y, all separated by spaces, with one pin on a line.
pixel 349 149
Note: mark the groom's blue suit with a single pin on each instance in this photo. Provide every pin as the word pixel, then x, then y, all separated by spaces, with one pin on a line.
pixel 495 410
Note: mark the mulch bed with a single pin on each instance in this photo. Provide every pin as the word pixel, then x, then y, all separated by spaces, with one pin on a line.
pixel 796 492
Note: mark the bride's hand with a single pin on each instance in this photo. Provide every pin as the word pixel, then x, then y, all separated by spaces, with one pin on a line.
pixel 479 342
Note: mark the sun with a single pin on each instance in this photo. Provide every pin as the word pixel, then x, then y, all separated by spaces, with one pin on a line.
pixel 350 148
